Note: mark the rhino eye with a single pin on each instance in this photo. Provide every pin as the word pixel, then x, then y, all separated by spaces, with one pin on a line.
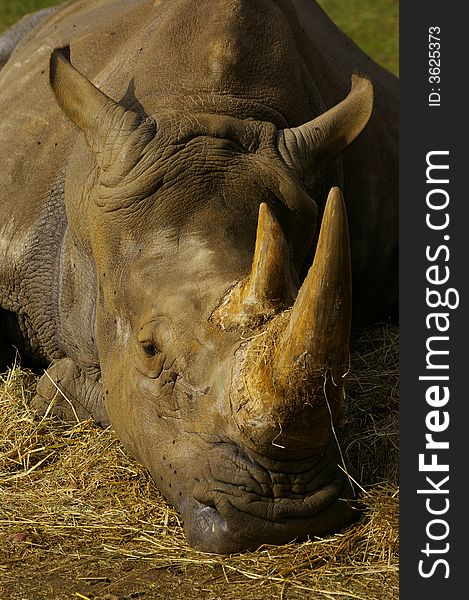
pixel 149 349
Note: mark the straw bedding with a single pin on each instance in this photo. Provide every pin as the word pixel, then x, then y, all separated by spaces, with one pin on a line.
pixel 80 519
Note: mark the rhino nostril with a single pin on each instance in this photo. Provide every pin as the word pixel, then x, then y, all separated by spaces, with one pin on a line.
pixel 208 520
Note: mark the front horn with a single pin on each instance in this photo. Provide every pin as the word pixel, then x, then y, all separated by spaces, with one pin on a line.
pixel 318 330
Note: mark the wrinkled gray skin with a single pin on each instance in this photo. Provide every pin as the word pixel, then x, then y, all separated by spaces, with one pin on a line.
pixel 109 274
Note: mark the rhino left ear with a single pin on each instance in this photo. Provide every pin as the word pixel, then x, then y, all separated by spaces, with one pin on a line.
pixel 306 147
pixel 107 125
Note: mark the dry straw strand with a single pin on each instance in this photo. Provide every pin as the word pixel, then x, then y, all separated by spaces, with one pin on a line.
pixel 92 523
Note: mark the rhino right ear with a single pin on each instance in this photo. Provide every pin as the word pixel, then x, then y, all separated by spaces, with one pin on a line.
pixel 107 125
pixel 308 146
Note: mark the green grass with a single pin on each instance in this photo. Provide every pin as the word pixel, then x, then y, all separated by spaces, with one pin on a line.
pixel 373 24
pixel 12 10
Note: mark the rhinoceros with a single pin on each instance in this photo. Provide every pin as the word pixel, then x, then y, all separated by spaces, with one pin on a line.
pixel 176 251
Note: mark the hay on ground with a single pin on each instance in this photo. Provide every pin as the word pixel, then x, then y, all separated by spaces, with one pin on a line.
pixel 79 518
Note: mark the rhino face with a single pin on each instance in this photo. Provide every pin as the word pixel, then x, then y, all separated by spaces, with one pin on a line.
pixel 221 374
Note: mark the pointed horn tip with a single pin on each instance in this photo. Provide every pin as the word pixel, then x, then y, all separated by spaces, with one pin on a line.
pixel 266 219
pixel 265 213
pixel 362 81
pixel 59 55
pixel 335 194
pixel 263 209
pixel 362 84
pixel 335 202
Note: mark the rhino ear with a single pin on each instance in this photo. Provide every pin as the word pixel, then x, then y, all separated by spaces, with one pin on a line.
pixel 107 125
pixel 307 146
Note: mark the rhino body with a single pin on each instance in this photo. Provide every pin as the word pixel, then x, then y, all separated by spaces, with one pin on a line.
pixel 159 211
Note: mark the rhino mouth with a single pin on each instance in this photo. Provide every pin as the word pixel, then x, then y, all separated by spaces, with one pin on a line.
pixel 248 503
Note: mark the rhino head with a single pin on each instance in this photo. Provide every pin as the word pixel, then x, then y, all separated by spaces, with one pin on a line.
pixel 221 373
